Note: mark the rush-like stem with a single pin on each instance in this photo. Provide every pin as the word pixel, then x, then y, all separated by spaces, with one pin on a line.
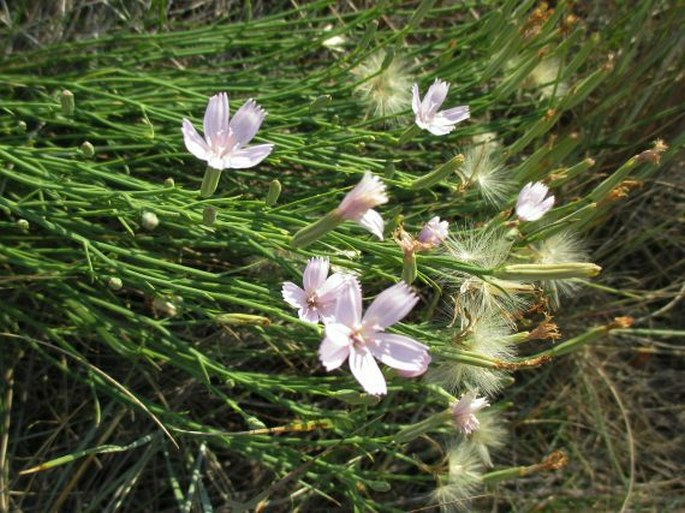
pixel 210 182
pixel 317 229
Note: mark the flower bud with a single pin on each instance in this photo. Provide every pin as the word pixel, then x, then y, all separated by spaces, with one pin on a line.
pixel 273 194
pixel 439 173
pixel 166 306
pixel 169 182
pixel 23 225
pixel 115 283
pixel 87 150
pixel 67 101
pixel 242 319
pixel 561 271
pixel 149 220
pixel 209 215
pixel 355 397
pixel 319 103
pixel 255 423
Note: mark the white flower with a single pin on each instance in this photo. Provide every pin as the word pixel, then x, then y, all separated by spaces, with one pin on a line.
pixel 427 115
pixel 318 299
pixel 358 204
pixel 434 232
pixel 224 144
pixel 361 339
pixel 532 204
pixel 464 409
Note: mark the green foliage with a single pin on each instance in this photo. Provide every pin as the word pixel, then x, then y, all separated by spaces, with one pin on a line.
pixel 166 354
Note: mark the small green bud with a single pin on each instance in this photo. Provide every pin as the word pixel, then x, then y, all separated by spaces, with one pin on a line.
pixel 23 225
pixel 409 268
pixel 149 220
pixel 274 193
pixel 87 150
pixel 355 397
pixel 439 173
pixel 169 182
pixel 166 306
pixel 115 283
pixel 319 103
pixel 67 101
pixel 241 319
pixel 21 125
pixel 209 215
pixel 387 60
pixel 255 423
pixel 547 271
pixel 389 170
pixel 378 486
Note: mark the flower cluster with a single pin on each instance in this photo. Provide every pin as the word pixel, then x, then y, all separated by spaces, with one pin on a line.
pixel 360 339
pixel 499 275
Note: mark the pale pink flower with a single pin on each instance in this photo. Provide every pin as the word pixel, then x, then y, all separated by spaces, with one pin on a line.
pixel 427 115
pixel 349 336
pixel 318 299
pixel 358 204
pixel 224 144
pixel 531 204
pixel 434 232
pixel 464 409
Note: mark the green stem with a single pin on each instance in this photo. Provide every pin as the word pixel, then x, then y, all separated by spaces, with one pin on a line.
pixel 438 173
pixel 317 229
pixel 210 182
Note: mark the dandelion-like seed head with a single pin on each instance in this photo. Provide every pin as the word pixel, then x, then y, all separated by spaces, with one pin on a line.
pixel 482 247
pixel 544 77
pixel 487 336
pixel 479 296
pixel 560 248
pixel 482 168
pixel 387 92
pixel 491 435
pixel 463 478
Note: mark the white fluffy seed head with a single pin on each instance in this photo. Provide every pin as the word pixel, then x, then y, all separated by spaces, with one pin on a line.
pixel 387 92
pixel 482 169
pixel 560 248
pixel 475 296
pixel 544 77
pixel 464 477
pixel 488 336
pixel 490 436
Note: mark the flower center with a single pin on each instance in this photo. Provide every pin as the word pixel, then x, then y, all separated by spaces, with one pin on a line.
pixel 357 339
pixel 312 300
